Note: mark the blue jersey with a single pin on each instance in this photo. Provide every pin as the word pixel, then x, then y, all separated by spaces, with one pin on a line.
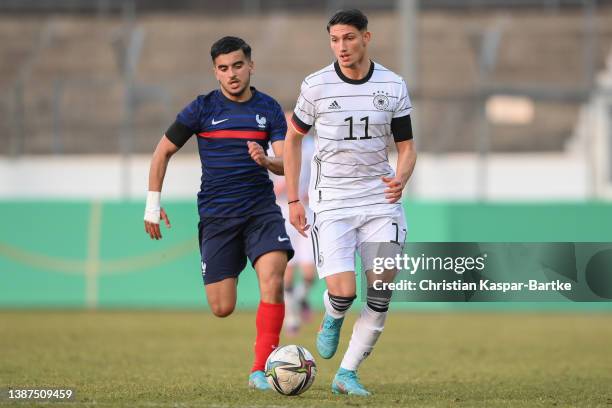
pixel 233 185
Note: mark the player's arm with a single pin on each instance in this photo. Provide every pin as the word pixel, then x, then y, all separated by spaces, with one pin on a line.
pixel 292 157
pixel 406 158
pixel 159 163
pixel 186 125
pixel 277 166
pixel 274 164
pixel 302 119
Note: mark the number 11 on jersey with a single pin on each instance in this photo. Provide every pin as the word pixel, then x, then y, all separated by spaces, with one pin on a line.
pixel 365 119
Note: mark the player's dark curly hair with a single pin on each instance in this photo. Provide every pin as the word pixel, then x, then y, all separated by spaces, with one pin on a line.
pixel 229 44
pixel 352 17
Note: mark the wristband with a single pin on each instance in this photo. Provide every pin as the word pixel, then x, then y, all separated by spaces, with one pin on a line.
pixel 152 208
pixel 294 201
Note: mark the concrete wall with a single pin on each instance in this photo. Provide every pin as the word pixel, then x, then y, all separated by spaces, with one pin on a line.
pixel 453 176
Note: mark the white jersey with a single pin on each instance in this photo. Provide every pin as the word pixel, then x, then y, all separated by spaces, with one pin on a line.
pixel 351 123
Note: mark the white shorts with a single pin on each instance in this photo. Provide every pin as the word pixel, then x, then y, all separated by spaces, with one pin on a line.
pixel 337 238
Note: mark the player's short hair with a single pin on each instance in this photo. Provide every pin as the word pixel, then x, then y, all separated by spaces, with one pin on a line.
pixel 352 17
pixel 229 44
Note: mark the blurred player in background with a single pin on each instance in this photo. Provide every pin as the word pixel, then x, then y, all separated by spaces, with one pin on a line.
pixel 297 306
pixel 357 109
pixel 238 214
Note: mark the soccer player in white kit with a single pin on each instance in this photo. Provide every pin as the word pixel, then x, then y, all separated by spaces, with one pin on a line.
pixel 356 109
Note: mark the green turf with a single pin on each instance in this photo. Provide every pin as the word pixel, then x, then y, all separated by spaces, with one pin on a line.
pixel 190 359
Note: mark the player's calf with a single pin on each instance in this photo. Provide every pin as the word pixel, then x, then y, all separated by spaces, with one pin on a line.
pixel 378 300
pixel 368 328
pixel 270 269
pixel 329 333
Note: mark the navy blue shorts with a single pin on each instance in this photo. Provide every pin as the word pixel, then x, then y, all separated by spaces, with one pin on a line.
pixel 225 243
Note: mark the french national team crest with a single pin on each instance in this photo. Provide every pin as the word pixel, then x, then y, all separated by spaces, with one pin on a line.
pixel 261 121
pixel 381 100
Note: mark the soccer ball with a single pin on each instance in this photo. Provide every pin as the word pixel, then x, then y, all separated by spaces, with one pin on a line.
pixel 291 369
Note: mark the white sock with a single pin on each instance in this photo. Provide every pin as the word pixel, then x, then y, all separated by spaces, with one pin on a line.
pixel 329 309
pixel 292 317
pixel 300 292
pixel 366 332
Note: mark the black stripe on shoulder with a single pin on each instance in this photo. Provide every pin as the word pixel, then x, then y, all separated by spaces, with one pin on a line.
pixel 178 133
pixel 300 125
pixel 401 128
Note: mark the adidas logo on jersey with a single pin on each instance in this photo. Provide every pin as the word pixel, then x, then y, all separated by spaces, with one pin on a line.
pixel 334 105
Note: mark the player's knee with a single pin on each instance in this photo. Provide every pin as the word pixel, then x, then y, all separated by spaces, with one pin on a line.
pixel 344 292
pixel 222 310
pixel 378 300
pixel 308 280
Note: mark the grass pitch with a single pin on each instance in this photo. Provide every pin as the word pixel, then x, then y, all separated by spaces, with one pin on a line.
pixel 191 359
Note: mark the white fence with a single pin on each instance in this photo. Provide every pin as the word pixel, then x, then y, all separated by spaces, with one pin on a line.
pixel 450 176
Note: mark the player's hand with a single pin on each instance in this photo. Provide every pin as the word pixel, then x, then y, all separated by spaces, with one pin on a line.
pixel 394 189
pixel 257 154
pixel 152 225
pixel 297 218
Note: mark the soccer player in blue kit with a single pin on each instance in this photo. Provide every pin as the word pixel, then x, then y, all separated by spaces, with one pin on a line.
pixel 239 217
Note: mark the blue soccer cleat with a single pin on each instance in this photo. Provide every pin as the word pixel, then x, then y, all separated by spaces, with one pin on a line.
pixel 346 382
pixel 329 336
pixel 258 381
